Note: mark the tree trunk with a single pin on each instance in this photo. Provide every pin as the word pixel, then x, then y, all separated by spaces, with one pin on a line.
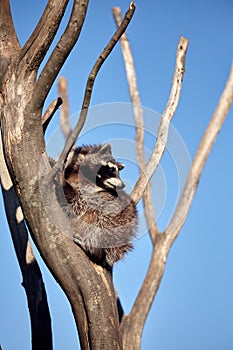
pixel 88 287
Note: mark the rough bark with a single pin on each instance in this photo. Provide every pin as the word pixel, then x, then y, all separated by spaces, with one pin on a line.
pixel 8 39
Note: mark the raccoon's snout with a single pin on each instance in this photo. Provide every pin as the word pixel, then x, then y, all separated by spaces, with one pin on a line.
pixel 114 182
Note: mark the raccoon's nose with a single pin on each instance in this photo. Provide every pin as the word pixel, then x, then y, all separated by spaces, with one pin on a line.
pixel 121 184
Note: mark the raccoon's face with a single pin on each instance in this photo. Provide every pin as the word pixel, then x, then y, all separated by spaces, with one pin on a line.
pixel 108 175
pixel 96 164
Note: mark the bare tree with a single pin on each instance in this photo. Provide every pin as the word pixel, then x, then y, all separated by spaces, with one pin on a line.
pixel 100 320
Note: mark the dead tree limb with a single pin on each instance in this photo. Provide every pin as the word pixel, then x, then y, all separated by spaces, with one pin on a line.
pixel 34 50
pixel 64 112
pixel 165 120
pixel 7 30
pixel 139 124
pixel 49 113
pixel 199 161
pixel 62 49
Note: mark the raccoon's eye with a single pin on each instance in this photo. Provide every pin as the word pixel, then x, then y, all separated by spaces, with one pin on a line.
pixel 120 166
pixel 111 169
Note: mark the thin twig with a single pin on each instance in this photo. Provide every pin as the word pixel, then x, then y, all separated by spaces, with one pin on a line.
pixel 139 124
pixel 64 112
pixel 200 159
pixel 164 122
pixel 89 87
pixel 52 108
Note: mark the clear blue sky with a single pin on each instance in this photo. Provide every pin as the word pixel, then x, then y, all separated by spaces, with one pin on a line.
pixel 194 306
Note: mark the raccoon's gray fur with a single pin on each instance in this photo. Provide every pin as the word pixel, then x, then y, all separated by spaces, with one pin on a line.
pixel 103 215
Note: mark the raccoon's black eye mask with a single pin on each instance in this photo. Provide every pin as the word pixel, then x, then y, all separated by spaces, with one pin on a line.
pixel 105 171
pixel 108 176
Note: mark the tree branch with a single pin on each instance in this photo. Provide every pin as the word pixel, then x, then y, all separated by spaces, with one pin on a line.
pixel 139 124
pixel 199 161
pixel 64 112
pixel 52 108
pixel 8 36
pixel 62 50
pixel 9 43
pixel 34 50
pixel 89 87
pixel 164 122
pixel 32 279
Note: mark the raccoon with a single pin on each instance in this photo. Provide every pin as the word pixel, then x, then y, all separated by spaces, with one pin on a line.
pixel 103 215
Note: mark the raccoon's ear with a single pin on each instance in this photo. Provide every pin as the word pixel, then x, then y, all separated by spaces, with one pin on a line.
pixel 80 157
pixel 74 157
pixel 70 158
pixel 105 149
pixel 72 163
pixel 120 166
